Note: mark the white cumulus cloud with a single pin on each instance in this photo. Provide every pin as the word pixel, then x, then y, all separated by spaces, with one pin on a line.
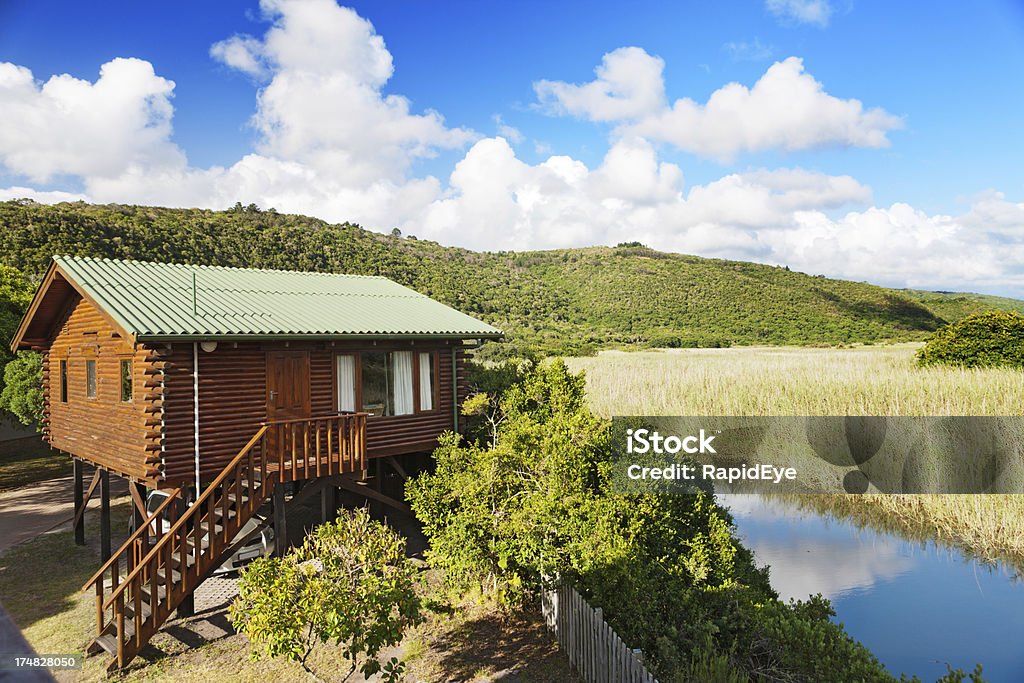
pixel 323 104
pixel 629 85
pixel 786 109
pixel 69 126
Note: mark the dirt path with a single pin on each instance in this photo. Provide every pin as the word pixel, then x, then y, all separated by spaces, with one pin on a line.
pixel 31 510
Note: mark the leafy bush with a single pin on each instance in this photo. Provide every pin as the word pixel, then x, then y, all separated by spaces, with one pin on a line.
pixel 22 393
pixel 983 340
pixel 349 583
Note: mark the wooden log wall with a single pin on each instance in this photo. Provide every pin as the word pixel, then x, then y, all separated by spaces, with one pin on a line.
pixel 103 430
pixel 233 402
pixel 44 423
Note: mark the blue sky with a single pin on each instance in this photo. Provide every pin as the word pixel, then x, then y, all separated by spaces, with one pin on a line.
pixel 867 140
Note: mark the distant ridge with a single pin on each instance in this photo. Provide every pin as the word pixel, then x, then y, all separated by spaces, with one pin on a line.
pixel 561 301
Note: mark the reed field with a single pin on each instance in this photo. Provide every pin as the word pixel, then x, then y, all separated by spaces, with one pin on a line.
pixel 867 380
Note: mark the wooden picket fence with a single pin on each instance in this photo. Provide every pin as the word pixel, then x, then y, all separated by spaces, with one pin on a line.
pixel 596 651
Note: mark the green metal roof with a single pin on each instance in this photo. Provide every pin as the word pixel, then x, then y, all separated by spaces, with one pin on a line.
pixel 158 301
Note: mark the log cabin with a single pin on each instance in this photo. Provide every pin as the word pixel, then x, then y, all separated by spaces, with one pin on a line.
pixel 228 388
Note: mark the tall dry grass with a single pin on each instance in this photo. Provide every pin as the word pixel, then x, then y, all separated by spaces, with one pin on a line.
pixel 988 527
pixel 857 381
pixel 793 381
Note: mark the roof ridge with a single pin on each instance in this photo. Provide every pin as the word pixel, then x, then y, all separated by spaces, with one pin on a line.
pixel 104 259
pixel 205 288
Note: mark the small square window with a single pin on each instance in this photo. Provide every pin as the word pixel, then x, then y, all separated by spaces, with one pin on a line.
pixel 126 380
pixel 90 378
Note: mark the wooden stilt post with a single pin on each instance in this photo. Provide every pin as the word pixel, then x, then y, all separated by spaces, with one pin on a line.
pixel 187 608
pixel 376 508
pixel 328 504
pixel 77 466
pixel 138 504
pixel 280 523
pixel 104 516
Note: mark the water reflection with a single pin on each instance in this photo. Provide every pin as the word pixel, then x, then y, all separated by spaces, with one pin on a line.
pixel 915 606
pixel 805 554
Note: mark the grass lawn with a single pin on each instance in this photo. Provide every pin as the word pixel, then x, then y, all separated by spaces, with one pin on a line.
pixel 28 461
pixel 464 640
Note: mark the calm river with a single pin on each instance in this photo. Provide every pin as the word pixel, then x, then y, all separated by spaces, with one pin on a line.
pixel 916 607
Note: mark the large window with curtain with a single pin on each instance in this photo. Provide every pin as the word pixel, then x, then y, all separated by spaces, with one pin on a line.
pixel 427 383
pixel 386 382
pixel 346 372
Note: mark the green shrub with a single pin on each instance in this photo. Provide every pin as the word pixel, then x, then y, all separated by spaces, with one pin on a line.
pixel 983 340
pixel 349 583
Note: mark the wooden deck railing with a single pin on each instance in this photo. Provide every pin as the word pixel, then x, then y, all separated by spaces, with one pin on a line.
pixel 158 576
pixel 318 446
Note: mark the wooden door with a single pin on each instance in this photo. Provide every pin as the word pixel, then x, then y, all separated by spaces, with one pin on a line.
pixel 287 385
pixel 287 399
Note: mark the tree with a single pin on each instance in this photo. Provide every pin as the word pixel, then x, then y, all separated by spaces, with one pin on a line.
pixel 349 583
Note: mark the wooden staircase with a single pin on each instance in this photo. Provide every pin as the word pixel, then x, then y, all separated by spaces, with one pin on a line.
pixel 161 564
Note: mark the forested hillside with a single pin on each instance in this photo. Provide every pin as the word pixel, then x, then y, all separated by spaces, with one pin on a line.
pixel 566 301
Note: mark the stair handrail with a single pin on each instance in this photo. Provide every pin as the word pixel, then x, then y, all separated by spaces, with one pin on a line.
pixel 314 418
pixel 210 489
pixel 144 526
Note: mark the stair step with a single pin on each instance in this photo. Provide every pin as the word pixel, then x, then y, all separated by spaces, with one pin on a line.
pixel 189 560
pixel 204 534
pixel 129 611
pixel 219 513
pixel 175 575
pixel 107 642
pixel 146 591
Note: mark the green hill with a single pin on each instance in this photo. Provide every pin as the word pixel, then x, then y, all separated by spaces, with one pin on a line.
pixel 956 305
pixel 566 301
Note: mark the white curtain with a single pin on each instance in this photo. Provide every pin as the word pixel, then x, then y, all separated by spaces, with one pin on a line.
pixel 346 383
pixel 426 386
pixel 402 381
